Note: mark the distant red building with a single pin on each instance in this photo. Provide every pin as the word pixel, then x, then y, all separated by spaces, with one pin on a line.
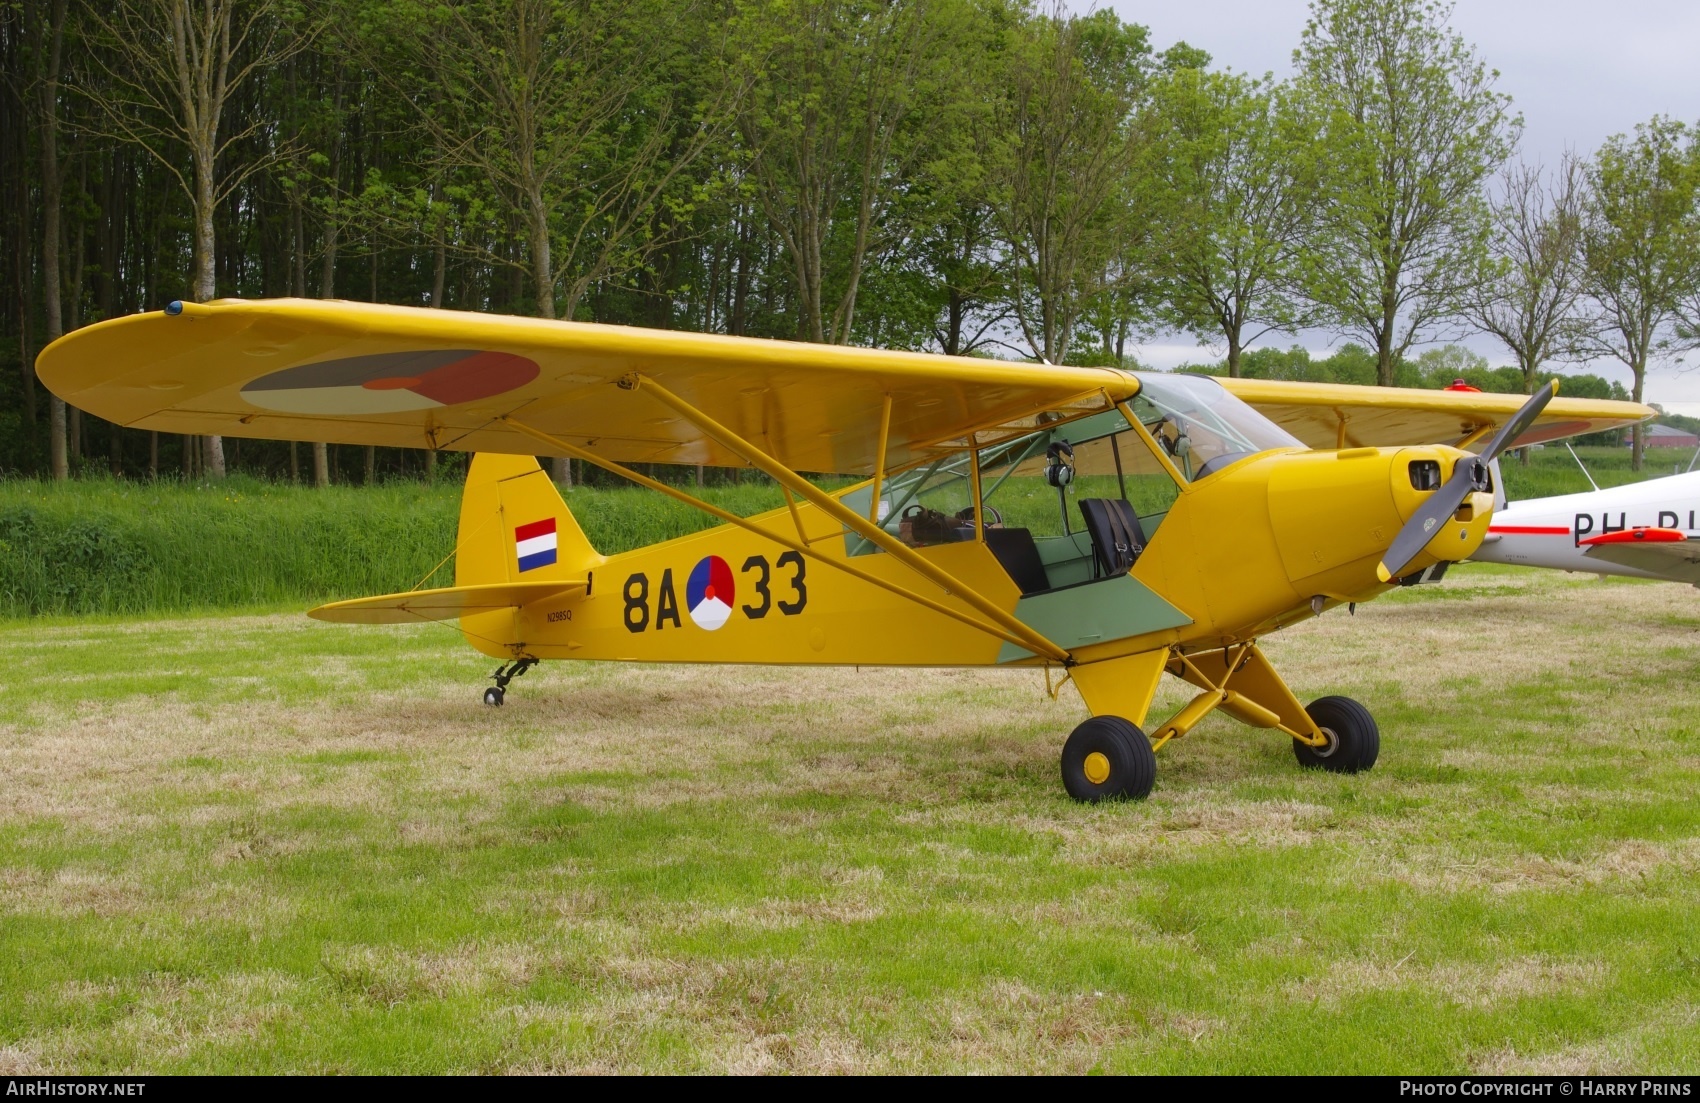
pixel 1665 436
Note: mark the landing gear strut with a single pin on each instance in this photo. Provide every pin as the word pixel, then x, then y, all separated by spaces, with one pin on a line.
pixel 506 673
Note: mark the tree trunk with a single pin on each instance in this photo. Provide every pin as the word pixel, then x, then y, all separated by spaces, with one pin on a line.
pixel 26 301
pixel 1640 447
pixel 294 463
pixel 439 251
pixel 542 259
pixel 298 242
pixel 206 284
pixel 1234 352
pixel 563 470
pixel 327 290
pixel 52 196
pixel 327 263
pixel 371 466
pixel 153 456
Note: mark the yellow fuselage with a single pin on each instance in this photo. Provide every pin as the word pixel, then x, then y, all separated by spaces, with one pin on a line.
pixel 1241 553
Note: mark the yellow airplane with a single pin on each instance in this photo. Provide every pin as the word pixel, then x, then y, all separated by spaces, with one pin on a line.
pixel 1108 526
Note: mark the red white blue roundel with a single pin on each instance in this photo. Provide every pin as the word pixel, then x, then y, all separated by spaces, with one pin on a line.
pixel 709 593
pixel 391 382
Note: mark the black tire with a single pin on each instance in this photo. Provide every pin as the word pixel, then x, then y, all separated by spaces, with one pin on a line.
pixel 1355 741
pixel 1115 752
pixel 493 696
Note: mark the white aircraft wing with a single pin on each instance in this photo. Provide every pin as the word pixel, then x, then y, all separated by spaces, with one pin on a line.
pixel 1666 553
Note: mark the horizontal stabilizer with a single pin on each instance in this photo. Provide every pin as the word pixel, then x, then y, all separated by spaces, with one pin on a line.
pixel 447 603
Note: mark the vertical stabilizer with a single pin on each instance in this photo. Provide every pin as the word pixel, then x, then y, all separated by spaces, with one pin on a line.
pixel 514 526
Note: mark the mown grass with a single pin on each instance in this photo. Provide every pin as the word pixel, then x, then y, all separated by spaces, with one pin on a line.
pixel 106 547
pixel 268 844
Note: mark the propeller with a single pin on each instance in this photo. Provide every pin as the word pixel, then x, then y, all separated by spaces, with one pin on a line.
pixel 1470 474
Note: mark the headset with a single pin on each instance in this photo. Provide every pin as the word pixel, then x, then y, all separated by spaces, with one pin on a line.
pixel 1059 464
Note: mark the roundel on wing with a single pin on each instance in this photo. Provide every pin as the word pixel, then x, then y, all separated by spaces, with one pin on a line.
pixel 709 593
pixel 391 382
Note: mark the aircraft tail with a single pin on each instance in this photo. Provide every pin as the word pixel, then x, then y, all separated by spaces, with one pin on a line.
pixel 515 527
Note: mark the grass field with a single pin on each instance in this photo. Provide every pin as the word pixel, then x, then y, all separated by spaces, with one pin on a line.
pixel 261 843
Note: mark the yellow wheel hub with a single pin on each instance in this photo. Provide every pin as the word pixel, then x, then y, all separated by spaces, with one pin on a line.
pixel 1097 768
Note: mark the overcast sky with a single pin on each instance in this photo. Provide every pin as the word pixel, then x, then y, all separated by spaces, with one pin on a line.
pixel 1577 70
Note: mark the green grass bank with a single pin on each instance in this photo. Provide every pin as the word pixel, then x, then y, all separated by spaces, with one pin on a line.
pixel 106 547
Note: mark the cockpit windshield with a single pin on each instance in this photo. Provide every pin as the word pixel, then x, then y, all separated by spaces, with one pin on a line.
pixel 1200 425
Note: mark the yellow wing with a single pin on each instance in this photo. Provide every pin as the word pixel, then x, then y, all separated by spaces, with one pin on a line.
pixel 353 373
pixel 1338 415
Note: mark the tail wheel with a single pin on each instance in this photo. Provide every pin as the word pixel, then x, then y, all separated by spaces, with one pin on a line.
pixel 1108 758
pixel 493 696
pixel 1353 740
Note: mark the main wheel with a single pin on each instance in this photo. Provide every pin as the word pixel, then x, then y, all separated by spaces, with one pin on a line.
pixel 1107 758
pixel 1353 739
pixel 493 696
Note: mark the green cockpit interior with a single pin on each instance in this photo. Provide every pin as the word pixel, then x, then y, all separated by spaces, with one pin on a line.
pixel 1073 501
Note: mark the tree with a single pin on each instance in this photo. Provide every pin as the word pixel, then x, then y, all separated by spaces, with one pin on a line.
pixel 179 65
pixel 45 25
pixel 1066 140
pixel 1641 245
pixel 1237 158
pixel 1530 300
pixel 574 112
pixel 959 253
pixel 854 100
pixel 1412 128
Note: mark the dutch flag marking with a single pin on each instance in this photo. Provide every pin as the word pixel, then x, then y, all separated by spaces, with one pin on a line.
pixel 535 544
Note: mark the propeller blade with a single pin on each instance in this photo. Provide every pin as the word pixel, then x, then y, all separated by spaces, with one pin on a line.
pixel 1520 423
pixel 1470 474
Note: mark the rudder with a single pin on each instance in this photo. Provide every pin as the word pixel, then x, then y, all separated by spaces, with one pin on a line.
pixel 515 527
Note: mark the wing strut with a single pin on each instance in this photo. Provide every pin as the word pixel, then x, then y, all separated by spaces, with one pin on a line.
pixel 849 518
pixel 802 549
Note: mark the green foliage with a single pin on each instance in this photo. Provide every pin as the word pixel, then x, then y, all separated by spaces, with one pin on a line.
pixel 1412 128
pixel 1433 369
pixel 1641 242
pixel 1235 156
pixel 104 547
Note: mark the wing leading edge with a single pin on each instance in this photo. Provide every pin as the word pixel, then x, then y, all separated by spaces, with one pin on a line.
pixel 1339 415
pixel 357 373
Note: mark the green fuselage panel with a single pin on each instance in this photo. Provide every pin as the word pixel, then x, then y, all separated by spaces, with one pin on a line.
pixel 1093 612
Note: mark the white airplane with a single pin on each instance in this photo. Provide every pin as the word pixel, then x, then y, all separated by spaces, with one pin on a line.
pixel 1642 530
